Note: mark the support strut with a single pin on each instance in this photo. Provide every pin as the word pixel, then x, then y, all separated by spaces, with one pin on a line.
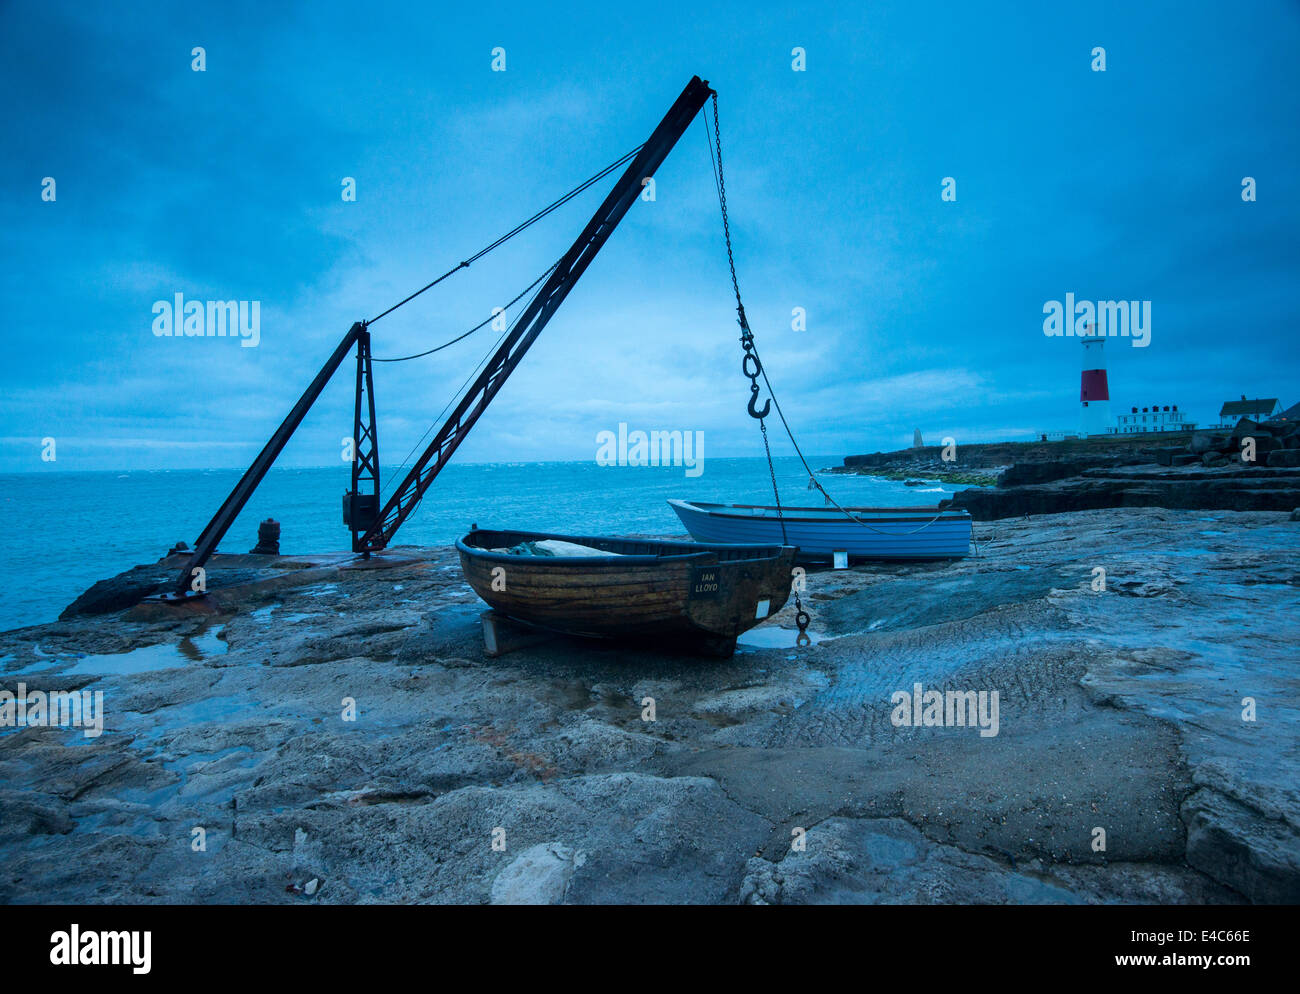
pixel 190 581
pixel 361 503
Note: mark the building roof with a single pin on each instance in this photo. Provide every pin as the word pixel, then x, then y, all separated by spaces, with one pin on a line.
pixel 1244 406
pixel 1292 413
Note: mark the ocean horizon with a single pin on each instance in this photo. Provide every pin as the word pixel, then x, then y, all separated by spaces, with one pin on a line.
pixel 86 525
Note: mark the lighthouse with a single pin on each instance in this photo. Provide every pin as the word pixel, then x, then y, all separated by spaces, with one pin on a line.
pixel 1094 393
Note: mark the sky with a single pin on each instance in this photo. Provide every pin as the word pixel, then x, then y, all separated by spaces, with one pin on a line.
pixel 920 311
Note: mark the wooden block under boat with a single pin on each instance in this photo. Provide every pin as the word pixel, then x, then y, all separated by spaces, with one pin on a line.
pixel 502 634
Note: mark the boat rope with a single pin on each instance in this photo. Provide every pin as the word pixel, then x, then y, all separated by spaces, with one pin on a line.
pixel 555 205
pixel 477 327
pixel 752 357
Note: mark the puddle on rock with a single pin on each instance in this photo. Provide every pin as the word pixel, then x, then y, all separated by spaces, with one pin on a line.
pixel 161 656
pixel 765 637
pixel 283 617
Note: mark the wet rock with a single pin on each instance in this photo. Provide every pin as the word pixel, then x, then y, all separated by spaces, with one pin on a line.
pixel 1237 489
pixel 1209 441
pixel 1029 473
pixel 1165 457
pixel 120 592
pixel 1284 458
pixel 1118 704
pixel 1023 474
pixel 1256 855
pixel 1264 446
pixel 25 817
pixel 1245 428
pixel 540 875
pixel 999 455
pixel 887 861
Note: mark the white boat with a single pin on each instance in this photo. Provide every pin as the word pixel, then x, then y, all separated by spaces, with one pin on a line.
pixel 821 532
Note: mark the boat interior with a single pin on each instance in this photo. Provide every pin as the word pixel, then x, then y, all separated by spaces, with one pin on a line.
pixel 488 541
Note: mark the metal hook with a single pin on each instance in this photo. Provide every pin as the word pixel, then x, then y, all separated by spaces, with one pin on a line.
pixel 767 405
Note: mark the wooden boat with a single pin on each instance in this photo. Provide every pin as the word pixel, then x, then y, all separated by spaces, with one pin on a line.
pixel 691 593
pixel 820 532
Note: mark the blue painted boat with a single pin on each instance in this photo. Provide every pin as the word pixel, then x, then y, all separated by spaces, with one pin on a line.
pixel 820 532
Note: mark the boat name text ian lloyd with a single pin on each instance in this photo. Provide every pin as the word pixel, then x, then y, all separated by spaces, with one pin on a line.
pixel 655 448
pixel 209 319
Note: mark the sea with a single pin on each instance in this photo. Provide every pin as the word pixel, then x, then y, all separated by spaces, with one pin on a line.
pixel 66 530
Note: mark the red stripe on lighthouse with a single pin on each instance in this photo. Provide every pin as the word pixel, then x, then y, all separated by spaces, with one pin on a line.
pixel 1092 385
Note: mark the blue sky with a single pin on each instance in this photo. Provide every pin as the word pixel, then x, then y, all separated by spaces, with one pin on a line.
pixel 225 184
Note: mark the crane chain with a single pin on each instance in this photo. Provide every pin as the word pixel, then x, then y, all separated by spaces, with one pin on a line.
pixel 802 618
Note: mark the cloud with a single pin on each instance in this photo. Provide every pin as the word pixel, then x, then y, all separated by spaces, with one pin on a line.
pixel 226 185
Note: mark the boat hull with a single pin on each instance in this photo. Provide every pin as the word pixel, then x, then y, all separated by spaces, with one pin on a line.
pixel 891 533
pixel 671 592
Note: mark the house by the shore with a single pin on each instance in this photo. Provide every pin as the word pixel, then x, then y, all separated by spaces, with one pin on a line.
pixel 1259 409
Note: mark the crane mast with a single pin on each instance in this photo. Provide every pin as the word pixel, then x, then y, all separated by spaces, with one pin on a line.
pixel 373 527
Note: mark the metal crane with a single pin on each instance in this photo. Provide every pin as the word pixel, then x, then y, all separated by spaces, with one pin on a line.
pixel 373 526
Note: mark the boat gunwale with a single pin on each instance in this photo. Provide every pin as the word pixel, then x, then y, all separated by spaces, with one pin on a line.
pixel 922 513
pixel 706 554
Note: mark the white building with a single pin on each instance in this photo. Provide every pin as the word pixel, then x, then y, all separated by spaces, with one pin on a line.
pixel 1151 419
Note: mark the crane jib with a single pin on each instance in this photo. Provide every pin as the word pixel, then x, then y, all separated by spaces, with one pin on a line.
pixel 372 527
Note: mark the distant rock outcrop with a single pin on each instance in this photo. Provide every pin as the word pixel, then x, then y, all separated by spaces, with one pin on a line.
pixel 1253 467
pixel 1203 490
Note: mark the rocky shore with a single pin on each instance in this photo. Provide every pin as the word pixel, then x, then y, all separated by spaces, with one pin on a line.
pixel 981 464
pixel 313 733
pixel 1253 467
pixel 1186 488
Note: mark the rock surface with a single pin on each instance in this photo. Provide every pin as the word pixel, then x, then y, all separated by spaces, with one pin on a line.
pixel 344 728
pixel 540 875
pixel 887 861
pixel 1178 488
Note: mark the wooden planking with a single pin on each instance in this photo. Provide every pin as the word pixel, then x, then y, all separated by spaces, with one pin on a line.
pixel 609 596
